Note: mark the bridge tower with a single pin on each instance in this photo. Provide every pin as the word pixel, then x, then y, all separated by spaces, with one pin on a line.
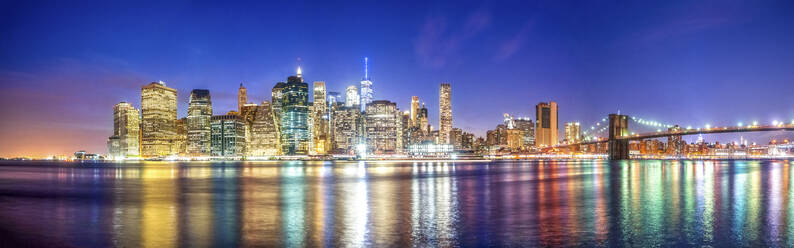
pixel 618 127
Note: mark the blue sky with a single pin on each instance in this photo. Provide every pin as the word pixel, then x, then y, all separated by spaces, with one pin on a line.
pixel 65 63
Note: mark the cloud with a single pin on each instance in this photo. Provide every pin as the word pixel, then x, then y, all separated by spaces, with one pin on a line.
pixel 509 47
pixel 438 42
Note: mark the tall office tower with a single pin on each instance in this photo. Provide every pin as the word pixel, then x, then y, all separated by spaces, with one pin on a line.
pixel 351 96
pixel 573 133
pixel 414 110
pixel 180 139
pixel 406 125
pixel 228 135
pixel 277 96
pixel 366 87
pixel 295 117
pixel 126 127
pixel 456 138
pixel 158 119
pixel 199 113
pixel 444 113
pixel 424 123
pixel 509 122
pixel 346 125
pixel 319 97
pixel 242 97
pixel 382 127
pixel 333 98
pixel 675 143
pixel 263 136
pixel 525 124
pixel 546 129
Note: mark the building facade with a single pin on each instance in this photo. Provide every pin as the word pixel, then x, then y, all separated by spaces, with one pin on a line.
pixel 445 113
pixel 573 133
pixel 126 127
pixel 383 127
pixel 158 120
pixel 546 127
pixel 263 134
pixel 242 97
pixel 366 87
pixel 199 115
pixel 346 123
pixel 228 135
pixel 414 110
pixel 351 96
pixel 295 137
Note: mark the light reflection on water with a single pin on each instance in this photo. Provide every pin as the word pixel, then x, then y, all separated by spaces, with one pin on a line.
pixel 532 203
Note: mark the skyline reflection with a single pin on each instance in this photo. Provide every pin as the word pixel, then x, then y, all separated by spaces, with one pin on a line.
pixel 536 203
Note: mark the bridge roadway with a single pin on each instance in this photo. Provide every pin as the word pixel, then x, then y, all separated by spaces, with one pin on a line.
pixel 713 130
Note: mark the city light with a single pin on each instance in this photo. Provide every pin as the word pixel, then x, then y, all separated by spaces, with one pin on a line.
pixel 739 124
pixel 708 126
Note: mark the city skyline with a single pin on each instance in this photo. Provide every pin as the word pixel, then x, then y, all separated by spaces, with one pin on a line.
pixel 58 94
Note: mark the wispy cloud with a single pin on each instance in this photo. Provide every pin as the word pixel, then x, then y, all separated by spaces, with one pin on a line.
pixel 439 42
pixel 509 47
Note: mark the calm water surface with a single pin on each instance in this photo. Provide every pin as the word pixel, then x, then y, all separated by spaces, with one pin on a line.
pixel 534 203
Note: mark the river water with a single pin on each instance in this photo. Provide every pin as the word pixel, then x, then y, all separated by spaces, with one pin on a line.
pixel 518 203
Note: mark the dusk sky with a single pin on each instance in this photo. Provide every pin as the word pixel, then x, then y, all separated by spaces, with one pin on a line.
pixel 64 64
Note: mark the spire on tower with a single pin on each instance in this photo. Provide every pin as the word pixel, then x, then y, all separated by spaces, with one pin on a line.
pixel 299 71
pixel 366 69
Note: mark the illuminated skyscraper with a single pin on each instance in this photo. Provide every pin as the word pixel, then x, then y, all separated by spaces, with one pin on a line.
pixel 414 110
pixel 263 135
pixel 525 124
pixel 179 143
pixel 346 125
pixel 242 98
pixel 573 133
pixel 383 127
pixel 424 122
pixel 444 113
pixel 333 98
pixel 546 128
pixel 295 116
pixel 126 127
pixel 277 96
pixel 366 87
pixel 199 113
pixel 319 119
pixel 158 120
pixel 351 96
pixel 228 135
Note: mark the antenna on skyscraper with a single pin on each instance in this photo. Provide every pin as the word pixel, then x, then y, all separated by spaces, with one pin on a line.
pixel 366 68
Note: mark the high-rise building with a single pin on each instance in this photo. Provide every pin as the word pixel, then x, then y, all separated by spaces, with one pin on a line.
pixel 319 120
pixel 573 133
pixel 525 124
pixel 546 129
pixel 424 122
pixel 158 120
pixel 295 117
pixel 383 127
pixel 351 96
pixel 199 114
pixel 346 125
pixel 228 135
pixel 414 110
pixel 445 113
pixel 179 143
pixel 263 135
pixel 126 127
pixel 277 96
pixel 319 97
pixel 366 87
pixel 333 98
pixel 242 98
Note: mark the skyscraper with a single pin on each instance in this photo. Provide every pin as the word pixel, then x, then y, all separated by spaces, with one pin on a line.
pixel 263 136
pixel 351 96
pixel 526 125
pixel 126 127
pixel 242 98
pixel 445 113
pixel 383 127
pixel 573 133
pixel 295 116
pixel 366 87
pixel 346 126
pixel 228 135
pixel 320 125
pixel 414 110
pixel 546 128
pixel 424 122
pixel 277 95
pixel 158 122
pixel 199 114
pixel 179 142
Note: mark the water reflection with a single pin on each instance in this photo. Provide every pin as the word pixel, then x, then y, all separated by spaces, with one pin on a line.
pixel 530 203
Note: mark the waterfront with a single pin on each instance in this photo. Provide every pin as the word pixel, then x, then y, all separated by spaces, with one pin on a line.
pixel 528 203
